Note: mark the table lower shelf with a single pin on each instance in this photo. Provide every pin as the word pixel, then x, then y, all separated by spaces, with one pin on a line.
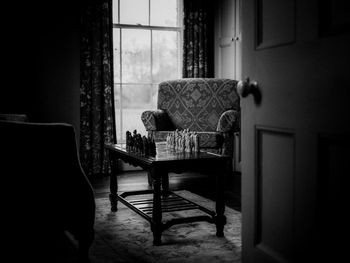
pixel 170 202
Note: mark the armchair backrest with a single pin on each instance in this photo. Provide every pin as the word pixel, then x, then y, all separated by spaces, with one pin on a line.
pixel 197 103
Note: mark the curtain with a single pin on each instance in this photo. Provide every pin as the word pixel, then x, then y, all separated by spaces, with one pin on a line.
pixel 97 123
pixel 198 39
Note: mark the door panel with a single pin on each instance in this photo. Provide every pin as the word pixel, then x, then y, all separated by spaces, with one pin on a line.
pixel 274 191
pixel 275 23
pixel 293 171
pixel 331 191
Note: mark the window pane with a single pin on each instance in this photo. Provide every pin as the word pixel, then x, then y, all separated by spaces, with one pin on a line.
pixel 136 99
pixel 164 13
pixel 154 100
pixel 136 96
pixel 165 55
pixel 136 55
pixel 132 122
pixel 134 12
pixel 116 54
pixel 115 11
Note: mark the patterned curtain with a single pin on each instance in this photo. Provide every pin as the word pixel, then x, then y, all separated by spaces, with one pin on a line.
pixel 198 39
pixel 97 103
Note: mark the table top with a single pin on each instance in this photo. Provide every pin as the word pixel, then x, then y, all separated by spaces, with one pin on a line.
pixel 165 154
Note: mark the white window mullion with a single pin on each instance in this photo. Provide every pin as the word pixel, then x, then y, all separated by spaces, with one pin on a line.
pixel 180 16
pixel 149 12
pixel 165 28
pixel 118 11
pixel 151 31
pixel 121 84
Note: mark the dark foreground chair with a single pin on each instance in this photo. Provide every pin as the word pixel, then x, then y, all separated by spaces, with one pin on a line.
pixel 44 191
pixel 13 117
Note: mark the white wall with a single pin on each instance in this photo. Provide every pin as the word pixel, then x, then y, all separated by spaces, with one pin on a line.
pixel 227 51
pixel 227 39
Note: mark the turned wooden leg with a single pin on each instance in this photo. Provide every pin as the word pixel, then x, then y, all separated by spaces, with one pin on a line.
pixel 157 209
pixel 165 183
pixel 150 180
pixel 113 185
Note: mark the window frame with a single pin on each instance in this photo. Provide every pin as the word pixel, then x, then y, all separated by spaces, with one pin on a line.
pixel 151 28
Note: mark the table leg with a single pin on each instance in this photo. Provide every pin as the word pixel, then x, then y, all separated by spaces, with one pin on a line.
pixel 113 184
pixel 157 207
pixel 150 180
pixel 165 183
pixel 220 219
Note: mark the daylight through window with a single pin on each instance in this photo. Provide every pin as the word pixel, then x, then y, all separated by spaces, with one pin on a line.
pixel 147 37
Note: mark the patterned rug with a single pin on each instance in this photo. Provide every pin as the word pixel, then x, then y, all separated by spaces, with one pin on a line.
pixel 125 236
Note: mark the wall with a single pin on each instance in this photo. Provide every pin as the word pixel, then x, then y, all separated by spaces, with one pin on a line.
pixel 227 39
pixel 227 54
pixel 41 74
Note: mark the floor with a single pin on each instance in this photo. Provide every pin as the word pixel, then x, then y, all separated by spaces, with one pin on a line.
pixel 201 184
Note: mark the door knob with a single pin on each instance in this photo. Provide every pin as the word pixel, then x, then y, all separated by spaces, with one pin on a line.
pixel 246 87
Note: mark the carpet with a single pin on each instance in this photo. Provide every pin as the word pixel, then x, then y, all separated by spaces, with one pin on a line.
pixel 125 236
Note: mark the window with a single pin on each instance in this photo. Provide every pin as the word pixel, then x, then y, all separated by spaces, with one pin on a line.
pixel 147 37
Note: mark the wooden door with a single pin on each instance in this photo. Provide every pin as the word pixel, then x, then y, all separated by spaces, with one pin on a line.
pixel 295 130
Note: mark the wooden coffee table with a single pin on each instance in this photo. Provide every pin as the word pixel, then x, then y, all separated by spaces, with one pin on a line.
pixel 164 200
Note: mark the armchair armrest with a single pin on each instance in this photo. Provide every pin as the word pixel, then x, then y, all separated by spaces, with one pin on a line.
pixel 156 120
pixel 229 121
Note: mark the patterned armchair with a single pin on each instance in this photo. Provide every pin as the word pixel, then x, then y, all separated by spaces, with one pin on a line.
pixel 209 106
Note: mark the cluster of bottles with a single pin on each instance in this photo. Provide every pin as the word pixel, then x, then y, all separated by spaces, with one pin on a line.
pixel 184 141
pixel 140 144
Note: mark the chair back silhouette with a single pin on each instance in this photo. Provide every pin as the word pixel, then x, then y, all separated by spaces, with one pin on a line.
pixel 46 191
